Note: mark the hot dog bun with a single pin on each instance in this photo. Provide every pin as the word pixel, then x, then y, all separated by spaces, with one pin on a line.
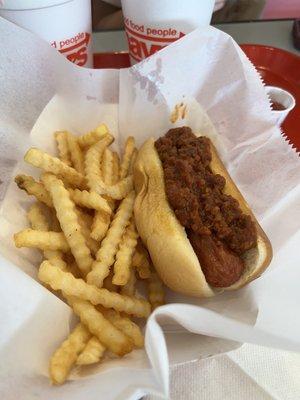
pixel 169 247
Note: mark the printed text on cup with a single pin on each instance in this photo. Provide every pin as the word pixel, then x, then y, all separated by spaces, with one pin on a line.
pixel 74 48
pixel 143 41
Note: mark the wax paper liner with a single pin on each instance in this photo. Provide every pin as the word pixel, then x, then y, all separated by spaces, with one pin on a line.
pixel 206 70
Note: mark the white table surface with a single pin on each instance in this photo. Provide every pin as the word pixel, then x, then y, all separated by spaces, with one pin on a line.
pixel 251 372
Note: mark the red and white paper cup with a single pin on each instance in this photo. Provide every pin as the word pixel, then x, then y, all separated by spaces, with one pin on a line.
pixel 65 24
pixel 153 24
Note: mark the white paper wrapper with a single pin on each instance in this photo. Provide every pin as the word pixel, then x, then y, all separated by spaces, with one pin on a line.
pixel 42 92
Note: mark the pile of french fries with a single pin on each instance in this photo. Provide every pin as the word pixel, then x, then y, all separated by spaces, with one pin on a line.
pixel 83 222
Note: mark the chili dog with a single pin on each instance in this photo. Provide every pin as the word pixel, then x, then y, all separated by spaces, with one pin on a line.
pixel 201 234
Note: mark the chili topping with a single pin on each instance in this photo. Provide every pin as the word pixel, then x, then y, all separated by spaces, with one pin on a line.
pixel 217 228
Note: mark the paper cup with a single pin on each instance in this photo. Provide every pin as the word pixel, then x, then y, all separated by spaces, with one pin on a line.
pixel 151 25
pixel 281 97
pixel 66 25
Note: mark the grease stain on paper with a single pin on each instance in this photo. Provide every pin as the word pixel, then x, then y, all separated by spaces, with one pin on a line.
pixel 180 111
pixel 151 81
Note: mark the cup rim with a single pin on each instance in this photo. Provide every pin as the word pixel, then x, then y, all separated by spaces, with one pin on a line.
pixel 286 93
pixel 19 5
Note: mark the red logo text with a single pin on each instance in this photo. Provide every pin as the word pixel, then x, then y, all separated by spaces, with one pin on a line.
pixel 74 48
pixel 144 41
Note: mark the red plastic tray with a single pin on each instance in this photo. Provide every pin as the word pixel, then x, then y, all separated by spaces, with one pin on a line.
pixel 280 68
pixel 276 66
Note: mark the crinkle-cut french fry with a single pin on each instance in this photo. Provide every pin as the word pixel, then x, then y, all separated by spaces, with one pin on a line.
pixel 62 145
pixel 125 325
pixel 129 149
pixel 86 231
pixel 156 291
pixel 102 221
pixel 66 355
pixel 100 225
pixel 94 176
pixel 90 138
pixel 111 337
pixel 67 283
pixel 107 166
pixel 124 255
pixel 34 188
pixel 65 211
pixel 141 261
pixel 76 153
pixel 93 159
pixel 117 191
pixel 37 218
pixel 109 245
pixel 109 179
pixel 116 167
pixel 40 159
pixel 42 240
pixel 92 353
pixel 107 283
pixel 132 161
pixel 56 258
pixel 39 222
pixel 91 200
pixel 129 288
